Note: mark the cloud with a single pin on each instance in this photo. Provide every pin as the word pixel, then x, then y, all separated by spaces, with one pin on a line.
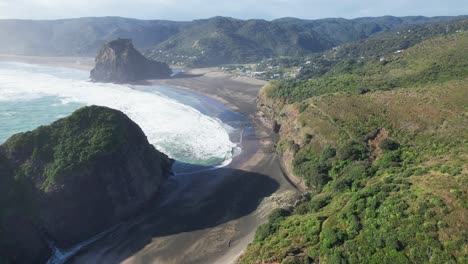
pixel 194 9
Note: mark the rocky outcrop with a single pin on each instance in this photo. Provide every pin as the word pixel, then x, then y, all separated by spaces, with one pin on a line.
pixel 73 179
pixel 119 62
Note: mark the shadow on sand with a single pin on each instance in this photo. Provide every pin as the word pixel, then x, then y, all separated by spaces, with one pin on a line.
pixel 186 203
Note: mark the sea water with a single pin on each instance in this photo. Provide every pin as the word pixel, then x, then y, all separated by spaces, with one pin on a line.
pixel 186 126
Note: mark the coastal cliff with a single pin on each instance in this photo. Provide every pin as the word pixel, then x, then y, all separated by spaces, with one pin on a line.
pixel 382 155
pixel 119 62
pixel 73 179
pixel 282 119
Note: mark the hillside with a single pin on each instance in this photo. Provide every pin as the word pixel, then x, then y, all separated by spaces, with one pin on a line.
pixel 80 36
pixel 375 46
pixel 223 40
pixel 73 179
pixel 211 41
pixel 381 148
pixel 380 44
pixel 435 60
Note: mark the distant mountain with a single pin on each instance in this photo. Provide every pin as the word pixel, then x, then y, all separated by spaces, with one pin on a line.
pixel 222 40
pixel 206 42
pixel 81 36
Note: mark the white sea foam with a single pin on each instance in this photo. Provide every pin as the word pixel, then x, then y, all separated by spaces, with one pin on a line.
pixel 176 129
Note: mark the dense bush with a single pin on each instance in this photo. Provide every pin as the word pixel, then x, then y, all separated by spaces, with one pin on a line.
pixel 315 173
pixel 352 150
pixel 264 231
pixel 328 152
pixel 388 144
pixel 278 214
pixel 319 202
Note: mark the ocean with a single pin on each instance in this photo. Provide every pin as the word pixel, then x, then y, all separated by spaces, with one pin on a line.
pixel 190 128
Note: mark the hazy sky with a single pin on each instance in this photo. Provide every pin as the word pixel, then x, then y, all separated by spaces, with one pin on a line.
pixel 193 9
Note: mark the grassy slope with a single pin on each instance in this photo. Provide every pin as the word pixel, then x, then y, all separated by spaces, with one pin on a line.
pixel 374 201
pixel 434 60
pixel 380 44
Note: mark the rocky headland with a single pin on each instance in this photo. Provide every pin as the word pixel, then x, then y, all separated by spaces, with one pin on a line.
pixel 73 179
pixel 119 62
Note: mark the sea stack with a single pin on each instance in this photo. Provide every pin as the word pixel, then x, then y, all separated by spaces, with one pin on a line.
pixel 119 62
pixel 73 179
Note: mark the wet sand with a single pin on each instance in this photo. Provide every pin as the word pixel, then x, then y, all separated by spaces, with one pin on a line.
pixel 206 217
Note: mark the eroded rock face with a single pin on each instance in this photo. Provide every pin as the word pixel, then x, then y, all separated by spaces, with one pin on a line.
pixel 73 179
pixel 119 62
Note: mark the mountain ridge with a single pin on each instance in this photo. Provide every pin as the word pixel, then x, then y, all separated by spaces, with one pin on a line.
pixel 84 36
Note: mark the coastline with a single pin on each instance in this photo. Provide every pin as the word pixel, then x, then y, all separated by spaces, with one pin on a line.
pixel 258 152
pixel 224 240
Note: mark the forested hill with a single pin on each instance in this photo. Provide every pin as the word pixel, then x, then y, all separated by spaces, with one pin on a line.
pixel 380 145
pixel 222 40
pixel 377 46
pixel 205 42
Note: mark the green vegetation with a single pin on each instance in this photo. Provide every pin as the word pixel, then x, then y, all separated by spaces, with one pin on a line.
pixel 427 62
pixel 311 65
pixel 220 40
pixel 69 143
pixel 43 154
pixel 377 45
pixel 43 173
pixel 386 168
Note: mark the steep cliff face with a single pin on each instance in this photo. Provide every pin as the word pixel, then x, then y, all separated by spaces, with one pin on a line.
pixel 73 179
pixel 119 62
pixel 282 119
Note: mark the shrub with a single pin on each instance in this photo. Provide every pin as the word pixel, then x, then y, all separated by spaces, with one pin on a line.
pixel 303 107
pixel 356 171
pixel 328 153
pixel 265 231
pixel 389 256
pixel 296 260
pixel 315 173
pixel 331 237
pixel 278 214
pixel 388 144
pixel 352 150
pixel 319 202
pixel 390 159
pixel 302 209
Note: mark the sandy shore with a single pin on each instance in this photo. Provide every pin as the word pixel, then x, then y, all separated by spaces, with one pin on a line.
pixel 213 216
pixel 207 217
